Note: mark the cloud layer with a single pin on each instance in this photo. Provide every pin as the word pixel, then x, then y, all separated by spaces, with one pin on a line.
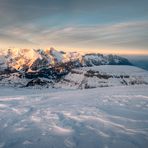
pixel 74 24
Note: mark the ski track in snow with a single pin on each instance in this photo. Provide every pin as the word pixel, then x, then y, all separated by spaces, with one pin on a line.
pixel 101 117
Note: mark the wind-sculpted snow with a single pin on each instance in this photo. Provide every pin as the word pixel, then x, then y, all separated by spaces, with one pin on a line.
pixel 115 117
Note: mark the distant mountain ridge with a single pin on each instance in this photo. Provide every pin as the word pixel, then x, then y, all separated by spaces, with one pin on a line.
pixel 30 60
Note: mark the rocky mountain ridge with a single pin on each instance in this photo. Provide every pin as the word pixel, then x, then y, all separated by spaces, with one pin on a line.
pixel 28 67
pixel 30 60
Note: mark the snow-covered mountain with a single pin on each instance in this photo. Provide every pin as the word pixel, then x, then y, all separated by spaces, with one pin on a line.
pixel 33 60
pixel 100 59
pixel 52 68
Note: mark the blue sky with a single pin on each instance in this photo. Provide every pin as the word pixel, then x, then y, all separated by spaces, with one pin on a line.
pixel 119 25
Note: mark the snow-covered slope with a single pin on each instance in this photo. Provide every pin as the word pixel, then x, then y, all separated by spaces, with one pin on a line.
pixel 79 78
pixel 104 76
pixel 115 117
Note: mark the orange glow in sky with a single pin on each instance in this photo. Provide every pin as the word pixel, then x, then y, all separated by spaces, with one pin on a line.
pixel 106 51
pixel 102 51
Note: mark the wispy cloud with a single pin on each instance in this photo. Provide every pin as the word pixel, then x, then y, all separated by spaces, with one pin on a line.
pixel 127 34
pixel 74 23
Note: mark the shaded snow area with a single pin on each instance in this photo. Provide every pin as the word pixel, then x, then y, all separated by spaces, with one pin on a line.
pixel 78 78
pixel 115 117
pixel 103 76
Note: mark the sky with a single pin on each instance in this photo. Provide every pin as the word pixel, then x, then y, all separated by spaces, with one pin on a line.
pixel 109 26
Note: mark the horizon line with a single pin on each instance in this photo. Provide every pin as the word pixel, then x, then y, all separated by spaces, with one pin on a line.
pixel 87 51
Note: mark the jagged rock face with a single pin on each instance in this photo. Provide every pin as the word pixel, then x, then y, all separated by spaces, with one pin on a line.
pixel 93 59
pixel 53 72
pixel 58 57
pixel 39 64
pixel 20 59
pixel 39 82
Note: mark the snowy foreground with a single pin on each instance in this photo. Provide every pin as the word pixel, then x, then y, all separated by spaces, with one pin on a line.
pixel 110 117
